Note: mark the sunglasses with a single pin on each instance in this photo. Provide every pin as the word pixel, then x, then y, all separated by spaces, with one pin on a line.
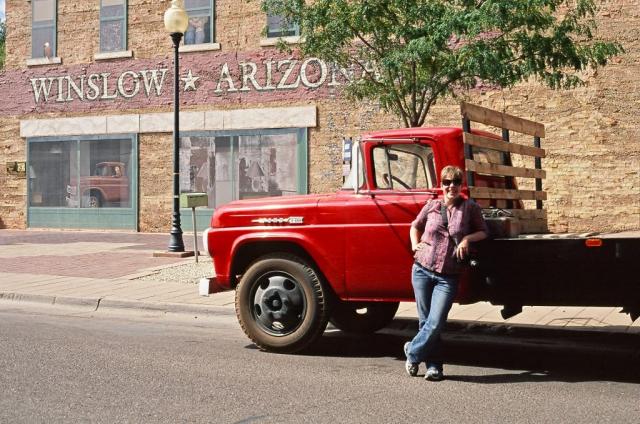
pixel 447 182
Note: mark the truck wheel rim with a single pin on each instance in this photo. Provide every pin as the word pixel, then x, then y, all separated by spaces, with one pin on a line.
pixel 278 303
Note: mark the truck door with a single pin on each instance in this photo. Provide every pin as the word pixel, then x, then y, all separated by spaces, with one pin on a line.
pixel 378 250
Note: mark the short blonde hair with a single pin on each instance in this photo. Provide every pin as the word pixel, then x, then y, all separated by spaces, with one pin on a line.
pixel 451 173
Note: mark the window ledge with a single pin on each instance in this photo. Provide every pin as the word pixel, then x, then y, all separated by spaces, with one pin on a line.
pixel 40 61
pixel 199 47
pixel 268 42
pixel 113 55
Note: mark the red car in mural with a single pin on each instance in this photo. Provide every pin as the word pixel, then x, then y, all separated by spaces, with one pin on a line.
pixel 297 262
pixel 108 185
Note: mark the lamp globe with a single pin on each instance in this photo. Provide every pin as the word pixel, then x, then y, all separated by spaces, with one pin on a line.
pixel 176 19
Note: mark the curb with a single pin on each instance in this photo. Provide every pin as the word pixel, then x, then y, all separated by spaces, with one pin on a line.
pixel 97 304
pixel 176 308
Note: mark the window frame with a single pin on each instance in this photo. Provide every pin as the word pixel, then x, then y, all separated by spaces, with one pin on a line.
pixel 79 217
pixel 54 48
pixel 125 32
pixel 212 17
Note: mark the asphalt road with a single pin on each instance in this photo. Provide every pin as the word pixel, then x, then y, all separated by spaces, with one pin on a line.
pixel 59 365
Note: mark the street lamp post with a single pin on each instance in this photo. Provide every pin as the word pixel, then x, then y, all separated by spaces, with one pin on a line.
pixel 176 22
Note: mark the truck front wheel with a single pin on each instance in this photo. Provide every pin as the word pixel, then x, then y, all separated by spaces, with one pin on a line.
pixel 363 317
pixel 281 303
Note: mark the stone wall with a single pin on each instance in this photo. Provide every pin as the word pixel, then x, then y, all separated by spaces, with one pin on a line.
pixel 593 152
pixel 13 189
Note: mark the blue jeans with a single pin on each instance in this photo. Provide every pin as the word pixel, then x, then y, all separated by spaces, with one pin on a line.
pixel 434 296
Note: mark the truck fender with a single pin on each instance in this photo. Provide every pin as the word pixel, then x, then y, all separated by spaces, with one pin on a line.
pixel 333 275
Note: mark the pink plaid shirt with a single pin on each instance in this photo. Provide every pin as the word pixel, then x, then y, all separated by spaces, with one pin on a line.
pixel 439 250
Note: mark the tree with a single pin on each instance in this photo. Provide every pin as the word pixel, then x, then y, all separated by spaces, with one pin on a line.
pixel 3 36
pixel 411 53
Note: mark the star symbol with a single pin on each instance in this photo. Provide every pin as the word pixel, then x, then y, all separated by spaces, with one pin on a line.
pixel 190 81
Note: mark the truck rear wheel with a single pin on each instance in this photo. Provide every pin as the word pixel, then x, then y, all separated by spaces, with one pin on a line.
pixel 363 317
pixel 281 303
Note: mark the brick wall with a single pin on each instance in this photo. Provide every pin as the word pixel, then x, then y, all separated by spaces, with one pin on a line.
pixel 593 152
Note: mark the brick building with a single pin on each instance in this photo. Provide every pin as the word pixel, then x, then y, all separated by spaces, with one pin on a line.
pixel 87 95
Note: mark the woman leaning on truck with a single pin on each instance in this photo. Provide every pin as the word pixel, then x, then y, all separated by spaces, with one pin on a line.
pixel 440 237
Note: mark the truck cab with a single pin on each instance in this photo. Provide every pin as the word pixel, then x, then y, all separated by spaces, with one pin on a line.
pixel 345 257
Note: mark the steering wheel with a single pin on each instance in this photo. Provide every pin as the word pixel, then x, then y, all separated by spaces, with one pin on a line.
pixel 385 176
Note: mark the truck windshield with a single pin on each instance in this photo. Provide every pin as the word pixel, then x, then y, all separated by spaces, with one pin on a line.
pixel 404 167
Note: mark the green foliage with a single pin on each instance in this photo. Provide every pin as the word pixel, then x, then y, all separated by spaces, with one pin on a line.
pixel 3 37
pixel 410 53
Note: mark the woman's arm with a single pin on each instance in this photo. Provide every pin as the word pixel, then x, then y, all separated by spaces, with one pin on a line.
pixel 463 247
pixel 414 235
pixel 420 222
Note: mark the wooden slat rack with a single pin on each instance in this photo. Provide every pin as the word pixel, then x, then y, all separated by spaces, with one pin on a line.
pixel 531 220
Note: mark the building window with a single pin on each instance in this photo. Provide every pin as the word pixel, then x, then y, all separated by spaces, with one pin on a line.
pixel 80 174
pixel 113 25
pixel 236 166
pixel 200 30
pixel 43 29
pixel 278 26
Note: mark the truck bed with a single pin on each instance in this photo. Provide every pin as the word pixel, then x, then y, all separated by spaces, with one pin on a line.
pixel 622 234
pixel 589 269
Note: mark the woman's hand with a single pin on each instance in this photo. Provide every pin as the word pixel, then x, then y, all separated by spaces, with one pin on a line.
pixel 418 247
pixel 463 249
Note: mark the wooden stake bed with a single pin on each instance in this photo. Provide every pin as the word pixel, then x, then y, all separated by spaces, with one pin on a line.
pixel 531 221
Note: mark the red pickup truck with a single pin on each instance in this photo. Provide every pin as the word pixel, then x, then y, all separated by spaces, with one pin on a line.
pixel 107 185
pixel 297 262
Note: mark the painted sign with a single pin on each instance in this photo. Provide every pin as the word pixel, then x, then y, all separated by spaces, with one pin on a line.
pixel 268 75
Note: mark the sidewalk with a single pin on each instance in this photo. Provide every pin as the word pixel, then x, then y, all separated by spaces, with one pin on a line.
pixel 117 270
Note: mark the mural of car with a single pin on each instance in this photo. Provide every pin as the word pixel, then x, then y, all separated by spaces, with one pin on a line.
pixel 108 185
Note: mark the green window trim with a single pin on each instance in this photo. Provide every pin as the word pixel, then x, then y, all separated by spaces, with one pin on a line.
pixel 124 18
pixel 53 26
pixel 205 11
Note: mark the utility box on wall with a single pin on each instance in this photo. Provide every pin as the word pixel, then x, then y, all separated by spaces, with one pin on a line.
pixel 17 168
pixel 193 200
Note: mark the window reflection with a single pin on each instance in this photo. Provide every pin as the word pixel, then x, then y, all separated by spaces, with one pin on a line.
pixel 200 14
pixel 278 26
pixel 113 25
pixel 80 174
pixel 43 28
pixel 239 167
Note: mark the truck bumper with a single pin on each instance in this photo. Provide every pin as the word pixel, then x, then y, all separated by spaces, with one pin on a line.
pixel 209 286
pixel 205 240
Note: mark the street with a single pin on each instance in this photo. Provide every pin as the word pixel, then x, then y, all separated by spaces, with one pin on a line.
pixel 71 365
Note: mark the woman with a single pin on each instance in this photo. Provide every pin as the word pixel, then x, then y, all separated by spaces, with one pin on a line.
pixel 440 237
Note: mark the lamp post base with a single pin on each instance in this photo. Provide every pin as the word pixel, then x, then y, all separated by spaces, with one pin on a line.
pixel 165 254
pixel 176 243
